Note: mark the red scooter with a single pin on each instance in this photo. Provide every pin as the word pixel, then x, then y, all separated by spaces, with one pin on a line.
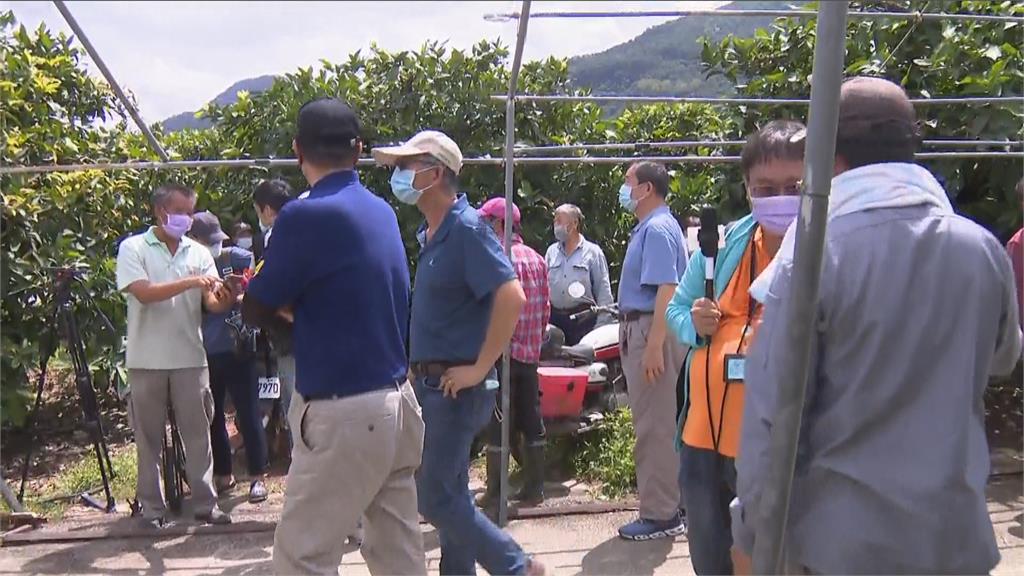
pixel 579 384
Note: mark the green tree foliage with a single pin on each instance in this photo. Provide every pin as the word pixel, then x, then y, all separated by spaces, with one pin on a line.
pixel 54 112
pixel 931 60
pixel 50 112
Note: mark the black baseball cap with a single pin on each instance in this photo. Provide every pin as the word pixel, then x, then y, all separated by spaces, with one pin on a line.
pixel 206 228
pixel 327 124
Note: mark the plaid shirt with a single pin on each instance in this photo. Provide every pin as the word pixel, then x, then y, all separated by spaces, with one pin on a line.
pixel 533 320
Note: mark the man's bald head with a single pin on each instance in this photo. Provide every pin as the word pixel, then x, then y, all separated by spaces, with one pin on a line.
pixel 877 124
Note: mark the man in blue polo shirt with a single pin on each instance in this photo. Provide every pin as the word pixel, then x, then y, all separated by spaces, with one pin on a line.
pixel 651 357
pixel 464 310
pixel 337 263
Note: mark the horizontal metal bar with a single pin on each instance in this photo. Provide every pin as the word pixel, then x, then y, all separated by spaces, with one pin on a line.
pixel 940 155
pixel 730 143
pixel 187 164
pixel 741 101
pixel 756 14
pixel 283 162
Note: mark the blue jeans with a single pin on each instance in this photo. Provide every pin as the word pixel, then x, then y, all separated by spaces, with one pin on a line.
pixel 709 482
pixel 442 482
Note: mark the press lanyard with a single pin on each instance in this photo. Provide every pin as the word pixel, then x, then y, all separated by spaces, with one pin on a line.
pixel 716 436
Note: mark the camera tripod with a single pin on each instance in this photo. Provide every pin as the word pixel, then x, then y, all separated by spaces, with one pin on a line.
pixel 64 327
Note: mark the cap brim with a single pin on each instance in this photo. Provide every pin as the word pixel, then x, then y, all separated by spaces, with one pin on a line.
pixel 218 236
pixel 390 154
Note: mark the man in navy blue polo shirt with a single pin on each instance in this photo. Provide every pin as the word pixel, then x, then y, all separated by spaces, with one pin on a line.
pixel 337 263
pixel 464 310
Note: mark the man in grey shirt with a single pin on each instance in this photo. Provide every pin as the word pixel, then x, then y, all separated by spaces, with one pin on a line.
pixel 575 260
pixel 917 309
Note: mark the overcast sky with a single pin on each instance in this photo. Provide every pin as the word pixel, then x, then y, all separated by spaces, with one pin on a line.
pixel 176 56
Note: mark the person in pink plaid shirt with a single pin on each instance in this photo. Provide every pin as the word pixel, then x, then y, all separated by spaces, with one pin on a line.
pixel 525 351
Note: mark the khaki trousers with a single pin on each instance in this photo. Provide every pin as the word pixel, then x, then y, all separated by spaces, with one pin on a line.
pixel 653 405
pixel 188 392
pixel 353 457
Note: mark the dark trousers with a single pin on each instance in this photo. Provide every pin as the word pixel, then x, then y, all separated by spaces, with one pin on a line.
pixel 574 329
pixel 524 405
pixel 709 481
pixel 236 375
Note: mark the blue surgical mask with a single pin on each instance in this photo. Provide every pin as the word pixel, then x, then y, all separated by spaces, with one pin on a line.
pixel 626 198
pixel 216 249
pixel 401 186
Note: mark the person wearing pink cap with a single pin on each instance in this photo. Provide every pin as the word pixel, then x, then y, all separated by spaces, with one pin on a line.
pixel 525 351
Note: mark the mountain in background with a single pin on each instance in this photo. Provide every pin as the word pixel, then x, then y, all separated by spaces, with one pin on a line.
pixel 229 96
pixel 664 60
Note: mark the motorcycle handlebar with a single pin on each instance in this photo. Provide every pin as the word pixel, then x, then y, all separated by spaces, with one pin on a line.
pixel 612 309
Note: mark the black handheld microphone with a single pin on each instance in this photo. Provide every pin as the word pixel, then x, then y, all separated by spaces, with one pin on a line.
pixel 707 238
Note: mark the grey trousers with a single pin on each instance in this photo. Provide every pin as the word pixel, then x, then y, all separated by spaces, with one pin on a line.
pixel 188 391
pixel 353 457
pixel 653 405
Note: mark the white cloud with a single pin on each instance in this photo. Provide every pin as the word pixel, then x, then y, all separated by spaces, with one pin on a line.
pixel 176 56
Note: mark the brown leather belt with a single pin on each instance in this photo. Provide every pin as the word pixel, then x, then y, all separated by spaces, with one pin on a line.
pixel 434 369
pixel 633 315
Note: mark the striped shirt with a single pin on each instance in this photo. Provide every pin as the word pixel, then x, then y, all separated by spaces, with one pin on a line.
pixel 533 275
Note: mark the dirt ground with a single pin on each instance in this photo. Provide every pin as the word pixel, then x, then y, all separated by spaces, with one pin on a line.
pixel 572 544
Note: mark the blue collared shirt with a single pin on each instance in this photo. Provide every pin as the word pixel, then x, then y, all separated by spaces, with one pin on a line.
pixel 459 270
pixel 338 259
pixel 655 256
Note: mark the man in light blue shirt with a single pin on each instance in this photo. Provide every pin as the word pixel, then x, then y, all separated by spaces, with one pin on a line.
pixel 651 359
pixel 575 260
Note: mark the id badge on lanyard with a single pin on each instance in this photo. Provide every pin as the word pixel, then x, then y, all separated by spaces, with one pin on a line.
pixel 735 368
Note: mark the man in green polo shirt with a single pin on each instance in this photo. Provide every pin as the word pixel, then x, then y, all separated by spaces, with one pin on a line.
pixel 168 280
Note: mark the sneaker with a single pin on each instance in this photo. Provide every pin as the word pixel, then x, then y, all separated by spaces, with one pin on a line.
pixel 224 484
pixel 215 516
pixel 644 529
pixel 157 523
pixel 257 492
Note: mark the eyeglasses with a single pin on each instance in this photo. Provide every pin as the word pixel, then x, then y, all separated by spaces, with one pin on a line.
pixel 793 189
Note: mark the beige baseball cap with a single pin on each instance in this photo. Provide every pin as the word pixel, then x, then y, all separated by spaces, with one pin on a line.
pixel 432 142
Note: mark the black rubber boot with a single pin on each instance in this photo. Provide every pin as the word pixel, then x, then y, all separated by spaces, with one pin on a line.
pixel 489 498
pixel 532 493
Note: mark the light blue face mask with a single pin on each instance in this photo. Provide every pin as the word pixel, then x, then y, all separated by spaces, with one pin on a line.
pixel 626 198
pixel 401 185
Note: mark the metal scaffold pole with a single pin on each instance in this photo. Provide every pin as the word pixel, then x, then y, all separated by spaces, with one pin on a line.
pixel 510 141
pixel 827 75
pixel 70 19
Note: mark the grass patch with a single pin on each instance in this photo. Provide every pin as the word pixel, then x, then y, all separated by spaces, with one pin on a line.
pixel 605 456
pixel 82 476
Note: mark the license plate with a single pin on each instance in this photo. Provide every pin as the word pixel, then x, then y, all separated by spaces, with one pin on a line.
pixel 270 388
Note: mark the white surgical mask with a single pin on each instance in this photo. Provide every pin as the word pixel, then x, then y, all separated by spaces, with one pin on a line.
pixel 245 243
pixel 216 249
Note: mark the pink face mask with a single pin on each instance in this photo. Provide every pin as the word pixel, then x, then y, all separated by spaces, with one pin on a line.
pixel 177 225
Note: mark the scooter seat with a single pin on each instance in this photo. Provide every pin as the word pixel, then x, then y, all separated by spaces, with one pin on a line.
pixel 580 352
